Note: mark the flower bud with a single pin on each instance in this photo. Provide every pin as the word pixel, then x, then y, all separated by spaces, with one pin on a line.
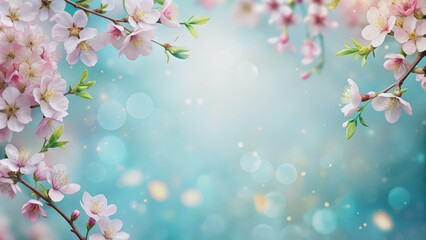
pixel 345 124
pixel 305 75
pixel 418 14
pixel 366 50
pixel 91 222
pixel 74 215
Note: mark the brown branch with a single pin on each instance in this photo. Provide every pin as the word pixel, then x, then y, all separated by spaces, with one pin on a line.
pixel 401 80
pixel 51 204
pixel 114 20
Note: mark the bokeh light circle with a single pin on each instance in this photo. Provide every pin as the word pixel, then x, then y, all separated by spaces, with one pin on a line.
pixel 96 172
pixel 139 105
pixel 263 232
pixel 324 221
pixel 111 115
pixel 276 204
pixel 246 71
pixel 250 161
pixel 111 150
pixel 399 198
pixel 264 173
pixel 286 174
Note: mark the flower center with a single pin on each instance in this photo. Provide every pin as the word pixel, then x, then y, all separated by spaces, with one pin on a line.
pixel 247 7
pixel 46 3
pixel 13 14
pixel 60 179
pixel 84 46
pixel 47 96
pixel 74 31
pixel 137 42
pixel 412 35
pixel 347 95
pixel 11 110
pixel 139 15
pixel 24 155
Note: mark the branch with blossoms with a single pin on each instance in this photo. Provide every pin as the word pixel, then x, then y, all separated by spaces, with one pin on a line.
pixel 312 15
pixel 402 21
pixel 31 83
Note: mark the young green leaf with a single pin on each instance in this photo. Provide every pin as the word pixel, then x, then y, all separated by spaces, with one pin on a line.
pixel 56 134
pixel 350 130
pixel 362 121
pixel 191 29
pixel 199 21
pixel 85 95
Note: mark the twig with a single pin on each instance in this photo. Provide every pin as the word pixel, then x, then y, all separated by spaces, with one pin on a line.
pixel 401 80
pixel 51 204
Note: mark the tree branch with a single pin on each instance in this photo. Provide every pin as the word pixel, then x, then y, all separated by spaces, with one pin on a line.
pixel 51 204
pixel 401 80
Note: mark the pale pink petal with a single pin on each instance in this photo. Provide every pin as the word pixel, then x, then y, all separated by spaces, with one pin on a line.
pixel 80 18
pixel 405 106
pixel 400 35
pixel 121 236
pixel 421 44
pixel 14 125
pixel 409 47
pixel 55 195
pixel 70 189
pixel 98 236
pixel 109 210
pixel 393 114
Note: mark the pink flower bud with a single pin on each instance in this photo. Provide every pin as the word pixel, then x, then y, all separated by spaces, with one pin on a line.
pixel 305 75
pixel 74 215
pixel 91 222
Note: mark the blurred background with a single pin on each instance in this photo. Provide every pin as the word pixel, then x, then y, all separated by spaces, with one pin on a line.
pixel 231 144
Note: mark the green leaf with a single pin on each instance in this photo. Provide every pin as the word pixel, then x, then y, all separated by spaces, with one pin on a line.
pixel 199 21
pixel 58 144
pixel 85 95
pixel 56 134
pixel 350 130
pixel 84 76
pixel 346 52
pixel 361 120
pixel 90 84
pixel 364 60
pixel 357 44
pixel 167 55
pixel 191 29
pixel 334 4
pixel 404 90
pixel 374 53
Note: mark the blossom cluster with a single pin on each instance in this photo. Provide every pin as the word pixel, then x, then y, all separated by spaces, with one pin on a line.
pixel 286 14
pixel 20 162
pixel 404 22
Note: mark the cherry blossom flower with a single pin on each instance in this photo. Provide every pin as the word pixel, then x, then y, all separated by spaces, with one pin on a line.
pixel 381 23
pixel 284 18
pixel 50 96
pixel 48 8
pixel 352 98
pixel 282 43
pixel 110 229
pixel 15 110
pixel 246 12
pixel 115 35
pixel 406 7
pixel 411 35
pixel 70 30
pixel 85 49
pixel 422 79
pixel 16 13
pixel 60 181
pixel 12 54
pixel 41 170
pixel 310 51
pixel 396 63
pixel 21 160
pixel 138 43
pixel 96 206
pixel 273 6
pixel 33 209
pixel 8 188
pixel 47 126
pixel 392 106
pixel 170 14
pixel 141 12
pixel 317 19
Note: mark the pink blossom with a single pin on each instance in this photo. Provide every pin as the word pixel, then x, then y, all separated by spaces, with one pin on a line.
pixel 138 43
pixel 310 51
pixel 32 210
pixel 282 43
pixel 15 108
pixel 352 98
pixel 273 6
pixel 5 135
pixel 115 35
pixel 8 188
pixel 47 126
pixel 141 12
pixel 85 49
pixel 396 63
pixel 246 12
pixel 16 13
pixel 21 160
pixel 50 96
pixel 60 181
pixel 305 75
pixel 411 35
pixel 392 106
pixel 317 20
pixel 75 215
pixel 12 54
pixel 284 18
pixel 41 170
pixel 110 229
pixel 381 23
pixel 406 7
pixel 170 14
pixel 96 206
pixel 47 9
pixel 422 79
pixel 70 30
